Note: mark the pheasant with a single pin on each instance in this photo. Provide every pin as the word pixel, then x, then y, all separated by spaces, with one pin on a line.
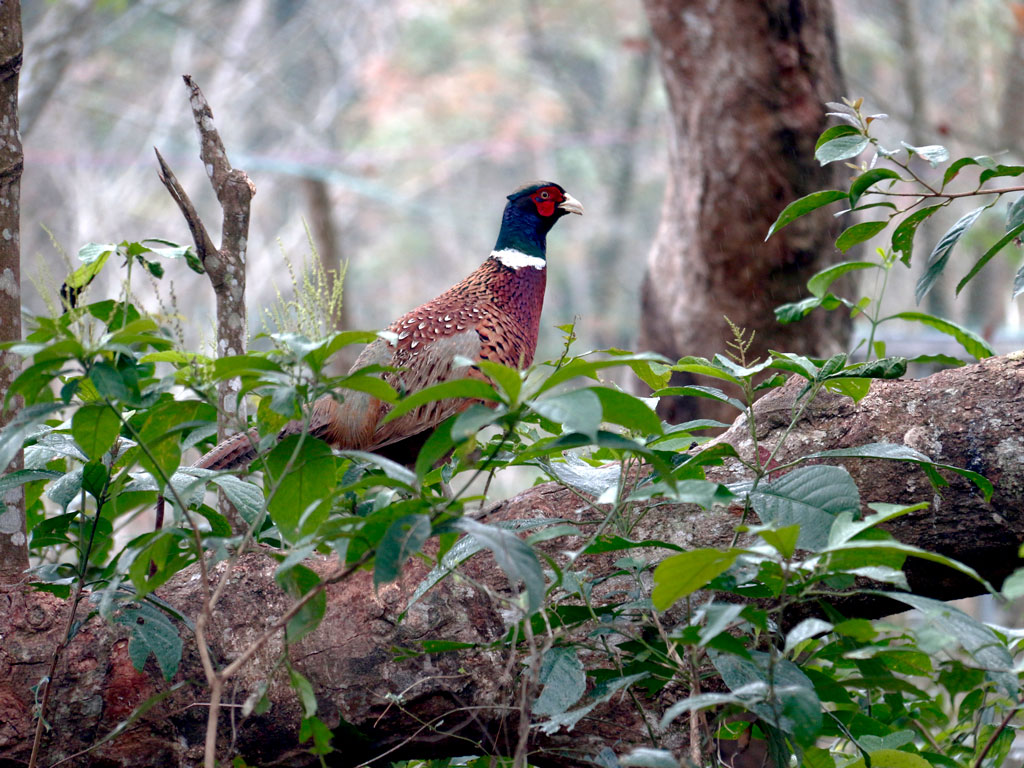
pixel 494 314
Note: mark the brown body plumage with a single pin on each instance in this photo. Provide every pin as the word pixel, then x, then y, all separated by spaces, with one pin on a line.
pixel 494 314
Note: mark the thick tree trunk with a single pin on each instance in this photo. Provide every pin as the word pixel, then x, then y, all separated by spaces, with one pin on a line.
pixel 13 542
pixel 464 701
pixel 746 84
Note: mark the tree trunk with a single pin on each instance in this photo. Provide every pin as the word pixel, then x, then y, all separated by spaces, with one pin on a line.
pixel 464 701
pixel 13 542
pixel 746 85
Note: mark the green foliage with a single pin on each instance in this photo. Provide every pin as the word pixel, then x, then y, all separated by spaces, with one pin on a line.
pixel 112 405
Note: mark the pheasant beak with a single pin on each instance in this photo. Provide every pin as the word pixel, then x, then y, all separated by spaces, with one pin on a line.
pixel 571 205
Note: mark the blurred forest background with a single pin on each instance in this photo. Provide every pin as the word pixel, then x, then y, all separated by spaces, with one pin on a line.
pixel 395 128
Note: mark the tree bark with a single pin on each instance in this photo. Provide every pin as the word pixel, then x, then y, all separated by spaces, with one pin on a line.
pixel 464 701
pixel 13 541
pixel 746 85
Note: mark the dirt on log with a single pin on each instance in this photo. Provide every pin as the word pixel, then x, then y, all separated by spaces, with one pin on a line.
pixel 464 701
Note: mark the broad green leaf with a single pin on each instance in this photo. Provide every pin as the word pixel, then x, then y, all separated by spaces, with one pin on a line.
pixel 892 758
pixel 577 411
pixel 1001 171
pixel 955 167
pixel 305 692
pixel 246 497
pixel 509 379
pixel 1013 585
pixel 513 556
pixel 456 388
pixel 299 505
pixel 840 142
pixel 628 411
pixel 899 452
pixel 298 581
pixel 782 540
pixel 846 527
pixel 933 153
pixel 564 681
pixel 84 274
pixel 403 539
pixel 1001 243
pixel 579 474
pixel 804 205
pixel 1015 213
pixel 152 632
pixel 819 284
pixel 975 346
pixel 882 547
pixel 903 235
pixel 392 469
pixel 805 629
pixel 866 180
pixel 977 639
pixel 704 367
pixel 601 693
pixel 109 382
pixel 695 390
pixel 95 427
pixel 1018 283
pixel 24 423
pixel 811 497
pixel 796 709
pixel 434 449
pixel 683 574
pixel 858 233
pixel 940 254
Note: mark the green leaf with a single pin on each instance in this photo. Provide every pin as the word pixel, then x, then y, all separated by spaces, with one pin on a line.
pixel 95 427
pixel 577 411
pixel 903 235
pixel 975 346
pixel 805 205
pixel 152 632
pixel 109 382
pixel 900 452
pixel 94 259
pixel 1018 283
pixel 298 506
pixel 940 254
pixel 862 183
pixel 683 574
pixel 403 539
pixel 509 379
pixel 246 497
pixel 298 581
pixel 435 448
pixel 842 148
pixel 892 758
pixel 564 681
pixel 694 390
pixel 24 423
pixel 1001 171
pixel 795 708
pixel 955 168
pixel 811 497
pixel 806 629
pixel 305 692
pixel 977 639
pixel 456 388
pixel 628 411
pixel 819 284
pixel 513 556
pixel 1001 243
pixel 933 153
pixel 1015 213
pixel 858 233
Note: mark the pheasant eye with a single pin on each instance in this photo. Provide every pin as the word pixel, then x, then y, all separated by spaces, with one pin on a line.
pixel 544 195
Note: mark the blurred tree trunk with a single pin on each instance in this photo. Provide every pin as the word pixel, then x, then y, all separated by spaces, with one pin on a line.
pixel 746 85
pixel 13 541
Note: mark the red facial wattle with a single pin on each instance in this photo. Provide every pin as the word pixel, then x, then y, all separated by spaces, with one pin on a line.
pixel 546 200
